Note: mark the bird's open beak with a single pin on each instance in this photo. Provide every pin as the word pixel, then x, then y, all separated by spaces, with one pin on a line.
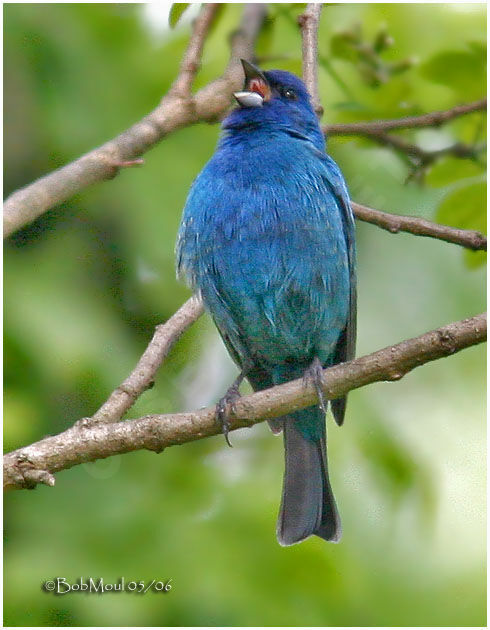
pixel 249 99
pixel 256 89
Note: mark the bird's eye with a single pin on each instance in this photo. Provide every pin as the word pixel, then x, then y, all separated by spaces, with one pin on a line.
pixel 290 94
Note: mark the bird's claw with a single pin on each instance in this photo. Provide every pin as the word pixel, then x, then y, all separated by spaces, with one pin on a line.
pixel 225 407
pixel 314 374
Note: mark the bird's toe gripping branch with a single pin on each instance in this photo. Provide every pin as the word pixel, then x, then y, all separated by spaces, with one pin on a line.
pixel 314 375
pixel 226 405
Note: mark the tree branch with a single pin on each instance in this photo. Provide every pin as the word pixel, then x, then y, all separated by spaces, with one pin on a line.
pixel 308 22
pixel 191 60
pixel 177 109
pixel 143 375
pixel 418 157
pixel 433 119
pixel 85 442
pixel 420 227
pixel 424 156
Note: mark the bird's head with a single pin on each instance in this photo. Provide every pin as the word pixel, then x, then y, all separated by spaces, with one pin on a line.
pixel 274 100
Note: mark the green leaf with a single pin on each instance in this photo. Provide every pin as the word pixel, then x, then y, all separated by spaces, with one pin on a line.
pixel 176 12
pixel 466 208
pixel 463 71
pixel 450 169
pixel 382 41
pixel 289 10
pixel 479 47
pixel 473 260
pixel 341 48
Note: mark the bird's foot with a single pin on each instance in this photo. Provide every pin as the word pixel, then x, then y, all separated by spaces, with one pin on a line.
pixel 226 405
pixel 314 374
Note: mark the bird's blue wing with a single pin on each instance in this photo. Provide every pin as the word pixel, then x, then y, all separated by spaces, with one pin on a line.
pixel 196 238
pixel 346 346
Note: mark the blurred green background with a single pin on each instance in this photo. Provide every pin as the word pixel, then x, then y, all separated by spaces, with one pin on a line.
pixel 87 282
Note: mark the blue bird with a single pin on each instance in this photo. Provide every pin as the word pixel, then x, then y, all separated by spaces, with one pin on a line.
pixel 267 240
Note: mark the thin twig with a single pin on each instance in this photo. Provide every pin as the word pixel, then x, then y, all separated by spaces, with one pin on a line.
pixel 143 375
pixel 421 227
pixel 432 119
pixel 427 156
pixel 191 60
pixel 173 112
pixel 308 22
pixel 419 159
pixel 86 442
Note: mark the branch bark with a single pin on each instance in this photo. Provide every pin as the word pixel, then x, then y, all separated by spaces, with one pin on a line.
pixel 418 157
pixel 177 109
pixel 309 21
pixel 395 223
pixel 191 61
pixel 143 375
pixel 424 156
pixel 432 119
pixel 86 442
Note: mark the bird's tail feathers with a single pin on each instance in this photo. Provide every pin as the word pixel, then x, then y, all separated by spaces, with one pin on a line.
pixel 308 505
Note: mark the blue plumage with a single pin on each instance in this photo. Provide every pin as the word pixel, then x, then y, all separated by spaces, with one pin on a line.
pixel 267 238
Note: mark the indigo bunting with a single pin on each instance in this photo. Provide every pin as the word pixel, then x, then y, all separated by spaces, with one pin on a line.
pixel 267 240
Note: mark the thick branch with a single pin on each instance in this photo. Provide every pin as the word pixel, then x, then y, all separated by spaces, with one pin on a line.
pixel 177 109
pixel 433 119
pixel 308 22
pixel 87 442
pixel 420 227
pixel 143 375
